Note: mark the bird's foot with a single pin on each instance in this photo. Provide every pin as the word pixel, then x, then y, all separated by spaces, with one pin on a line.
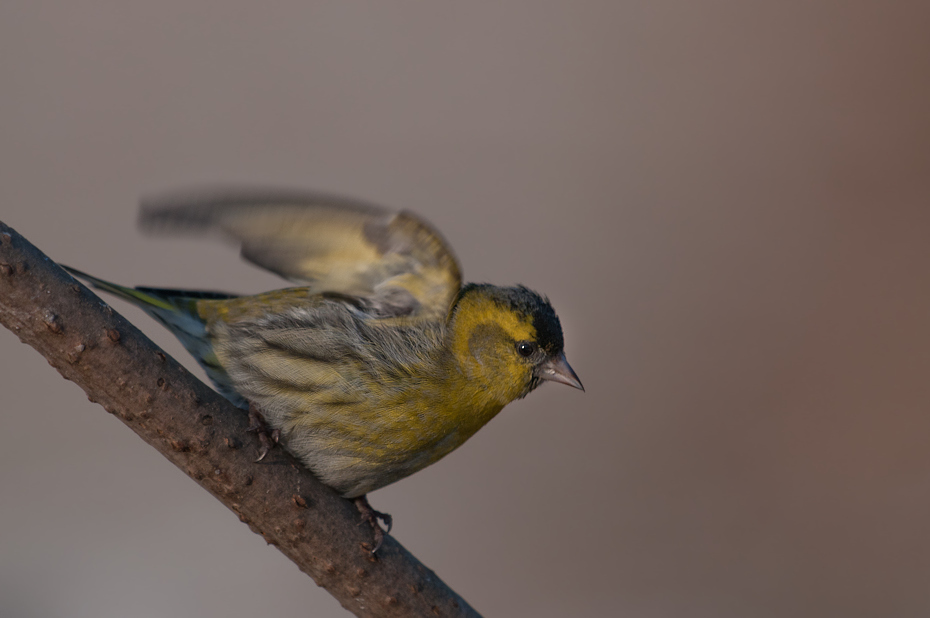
pixel 372 516
pixel 266 439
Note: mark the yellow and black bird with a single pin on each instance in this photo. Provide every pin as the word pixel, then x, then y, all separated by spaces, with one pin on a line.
pixel 381 362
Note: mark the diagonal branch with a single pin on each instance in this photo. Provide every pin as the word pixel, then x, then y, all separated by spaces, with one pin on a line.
pixel 205 436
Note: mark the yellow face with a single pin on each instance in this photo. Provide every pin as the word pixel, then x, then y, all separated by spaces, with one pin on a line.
pixel 495 346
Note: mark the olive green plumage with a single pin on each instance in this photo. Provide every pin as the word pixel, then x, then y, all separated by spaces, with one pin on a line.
pixel 381 362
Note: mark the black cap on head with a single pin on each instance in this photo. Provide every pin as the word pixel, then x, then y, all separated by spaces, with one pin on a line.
pixel 527 302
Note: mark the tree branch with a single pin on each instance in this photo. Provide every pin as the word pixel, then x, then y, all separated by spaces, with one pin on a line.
pixel 205 436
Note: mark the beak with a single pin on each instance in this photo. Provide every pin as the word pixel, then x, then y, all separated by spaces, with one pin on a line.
pixel 558 370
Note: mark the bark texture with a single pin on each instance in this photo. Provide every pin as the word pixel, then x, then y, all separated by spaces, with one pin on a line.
pixel 205 436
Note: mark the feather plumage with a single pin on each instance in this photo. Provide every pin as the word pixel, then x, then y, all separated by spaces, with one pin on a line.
pixel 381 363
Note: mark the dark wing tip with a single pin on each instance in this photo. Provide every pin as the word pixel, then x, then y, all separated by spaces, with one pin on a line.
pixel 202 208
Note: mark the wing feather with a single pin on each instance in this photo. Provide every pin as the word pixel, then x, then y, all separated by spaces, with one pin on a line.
pixel 393 262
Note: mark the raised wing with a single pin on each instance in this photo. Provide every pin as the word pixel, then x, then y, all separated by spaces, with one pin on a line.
pixel 386 263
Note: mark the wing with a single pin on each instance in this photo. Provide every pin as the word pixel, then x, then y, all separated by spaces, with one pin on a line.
pixel 386 263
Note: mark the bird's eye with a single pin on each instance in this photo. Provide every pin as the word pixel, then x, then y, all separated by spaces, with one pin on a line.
pixel 526 348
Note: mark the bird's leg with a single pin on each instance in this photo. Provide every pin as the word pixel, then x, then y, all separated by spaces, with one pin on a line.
pixel 372 516
pixel 257 425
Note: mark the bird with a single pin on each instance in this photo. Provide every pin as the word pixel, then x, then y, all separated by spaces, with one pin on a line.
pixel 379 361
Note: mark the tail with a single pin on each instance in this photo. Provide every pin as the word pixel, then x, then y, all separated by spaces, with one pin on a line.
pixel 177 310
pixel 150 298
pixel 145 298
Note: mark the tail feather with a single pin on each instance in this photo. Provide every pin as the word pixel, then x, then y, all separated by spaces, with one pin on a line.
pixel 160 298
pixel 143 297
pixel 178 311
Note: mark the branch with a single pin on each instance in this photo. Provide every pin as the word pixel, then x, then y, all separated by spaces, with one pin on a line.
pixel 205 436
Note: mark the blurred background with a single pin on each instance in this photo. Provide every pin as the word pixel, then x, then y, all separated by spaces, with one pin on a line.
pixel 728 204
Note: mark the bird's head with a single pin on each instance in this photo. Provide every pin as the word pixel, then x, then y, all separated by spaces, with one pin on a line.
pixel 508 340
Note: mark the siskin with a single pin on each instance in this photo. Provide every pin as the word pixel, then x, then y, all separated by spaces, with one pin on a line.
pixel 381 362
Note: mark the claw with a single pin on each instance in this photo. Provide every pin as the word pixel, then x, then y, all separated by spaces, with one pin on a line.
pixel 266 439
pixel 372 516
pixel 264 450
pixel 387 519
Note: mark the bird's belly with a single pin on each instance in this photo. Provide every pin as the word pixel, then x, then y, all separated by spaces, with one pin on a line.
pixel 356 457
pixel 357 471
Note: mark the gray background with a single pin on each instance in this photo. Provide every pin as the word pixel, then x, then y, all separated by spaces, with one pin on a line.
pixel 727 203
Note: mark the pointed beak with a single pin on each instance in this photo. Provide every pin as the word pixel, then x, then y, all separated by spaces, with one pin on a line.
pixel 558 370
